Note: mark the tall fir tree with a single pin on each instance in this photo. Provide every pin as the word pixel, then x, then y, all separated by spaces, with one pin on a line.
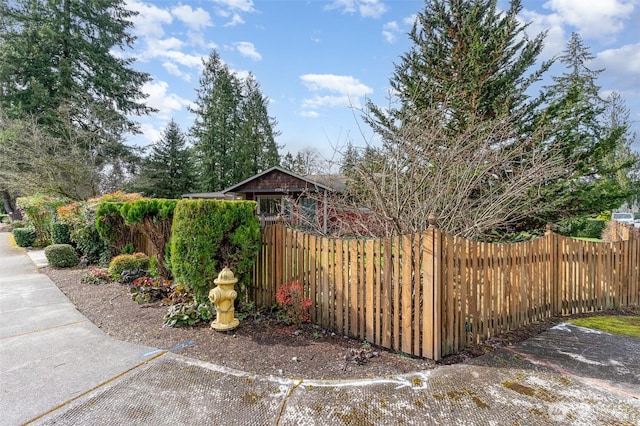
pixel 168 171
pixel 623 163
pixel 234 137
pixel 63 64
pixel 469 60
pixel 215 131
pixel 586 135
pixel 60 54
pixel 259 150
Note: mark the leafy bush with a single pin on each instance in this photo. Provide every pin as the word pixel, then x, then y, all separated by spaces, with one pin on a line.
pixel 60 233
pixel 147 289
pixel 41 212
pixel 208 235
pixel 25 237
pixel 80 217
pixel 291 299
pixel 61 255
pixel 96 276
pixel 188 313
pixel 20 224
pixel 591 229
pixel 123 262
pixel 128 276
pixel 4 218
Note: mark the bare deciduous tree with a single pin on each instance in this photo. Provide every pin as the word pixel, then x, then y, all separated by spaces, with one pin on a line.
pixel 487 177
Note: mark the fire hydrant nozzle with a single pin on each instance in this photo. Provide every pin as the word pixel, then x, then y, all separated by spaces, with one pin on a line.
pixel 223 297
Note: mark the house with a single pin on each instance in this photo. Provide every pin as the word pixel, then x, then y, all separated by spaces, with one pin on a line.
pixel 300 200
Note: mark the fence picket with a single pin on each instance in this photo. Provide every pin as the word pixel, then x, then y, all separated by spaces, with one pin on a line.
pixel 431 294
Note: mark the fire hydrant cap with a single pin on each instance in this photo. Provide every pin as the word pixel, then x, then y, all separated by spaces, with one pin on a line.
pixel 226 277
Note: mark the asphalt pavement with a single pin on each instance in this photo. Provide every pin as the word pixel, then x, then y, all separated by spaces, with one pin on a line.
pixel 57 368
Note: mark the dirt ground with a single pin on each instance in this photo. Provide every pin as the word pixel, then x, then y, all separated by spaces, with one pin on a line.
pixel 260 345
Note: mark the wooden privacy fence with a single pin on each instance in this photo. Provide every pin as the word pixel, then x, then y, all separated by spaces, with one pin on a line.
pixel 431 294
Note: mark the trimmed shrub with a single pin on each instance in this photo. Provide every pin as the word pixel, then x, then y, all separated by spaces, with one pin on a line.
pixel 25 237
pixel 60 233
pixel 208 235
pixel 124 262
pixel 61 255
pixel 118 224
pixel 80 217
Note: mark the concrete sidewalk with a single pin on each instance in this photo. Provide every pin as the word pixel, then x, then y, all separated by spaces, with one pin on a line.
pixel 58 368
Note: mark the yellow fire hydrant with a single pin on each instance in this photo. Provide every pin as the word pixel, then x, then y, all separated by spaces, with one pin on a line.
pixel 223 297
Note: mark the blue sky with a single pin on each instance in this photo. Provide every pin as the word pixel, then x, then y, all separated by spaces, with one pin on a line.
pixel 317 61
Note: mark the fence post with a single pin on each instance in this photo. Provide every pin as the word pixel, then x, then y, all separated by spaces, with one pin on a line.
pixel 436 292
pixel 554 271
pixel 278 254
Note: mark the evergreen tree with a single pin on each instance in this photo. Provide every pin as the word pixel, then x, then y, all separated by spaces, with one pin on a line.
pixel 216 127
pixel 59 54
pixel 586 135
pixel 168 172
pixel 233 135
pixel 259 150
pixel 469 61
pixel 623 163
pixel 58 67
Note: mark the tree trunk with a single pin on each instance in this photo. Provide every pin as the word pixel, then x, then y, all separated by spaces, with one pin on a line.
pixel 10 207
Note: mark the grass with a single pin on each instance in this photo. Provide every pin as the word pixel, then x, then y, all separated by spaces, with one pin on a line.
pixel 622 325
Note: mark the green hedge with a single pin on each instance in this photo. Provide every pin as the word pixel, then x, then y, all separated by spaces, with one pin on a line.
pixel 125 262
pixel 60 233
pixel 61 255
pixel 118 223
pixel 208 235
pixel 25 237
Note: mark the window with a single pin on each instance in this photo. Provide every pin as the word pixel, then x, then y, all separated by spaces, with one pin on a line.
pixel 272 205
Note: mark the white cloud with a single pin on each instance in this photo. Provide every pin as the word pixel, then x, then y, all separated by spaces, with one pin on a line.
pixel 150 133
pixel 240 5
pixel 150 18
pixel 623 63
pixel 173 69
pixel 235 20
pixel 344 91
pixel 191 61
pixel 233 9
pixel 366 8
pixel 247 49
pixel 554 42
pixel 598 19
pixel 372 8
pixel 390 31
pixel 165 103
pixel 342 84
pixel 196 19
pixel 309 114
pixel 161 45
